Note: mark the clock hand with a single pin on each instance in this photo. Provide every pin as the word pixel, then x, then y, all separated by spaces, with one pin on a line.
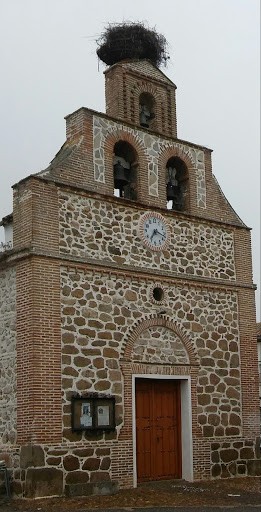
pixel 154 232
pixel 159 233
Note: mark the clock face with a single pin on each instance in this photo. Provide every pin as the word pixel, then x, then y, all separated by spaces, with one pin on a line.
pixel 154 231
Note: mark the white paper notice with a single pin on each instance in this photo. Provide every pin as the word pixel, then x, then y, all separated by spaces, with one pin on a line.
pixel 103 415
pixel 86 418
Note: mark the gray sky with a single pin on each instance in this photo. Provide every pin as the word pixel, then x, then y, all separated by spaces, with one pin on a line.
pixel 49 68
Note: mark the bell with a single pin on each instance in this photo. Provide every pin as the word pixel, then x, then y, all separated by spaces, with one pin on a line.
pixel 144 120
pixel 170 192
pixel 145 116
pixel 172 172
pixel 120 178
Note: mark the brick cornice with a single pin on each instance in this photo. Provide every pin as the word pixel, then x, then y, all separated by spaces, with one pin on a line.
pixel 89 265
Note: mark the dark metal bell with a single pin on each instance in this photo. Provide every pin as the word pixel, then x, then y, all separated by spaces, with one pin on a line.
pixel 144 120
pixel 170 192
pixel 120 178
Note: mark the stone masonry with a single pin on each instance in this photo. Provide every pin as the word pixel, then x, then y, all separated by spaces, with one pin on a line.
pixel 8 357
pixel 104 231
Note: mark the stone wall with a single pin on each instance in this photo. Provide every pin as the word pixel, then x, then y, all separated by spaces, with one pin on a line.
pixel 8 357
pixel 61 469
pixel 235 457
pixel 108 232
pixel 99 313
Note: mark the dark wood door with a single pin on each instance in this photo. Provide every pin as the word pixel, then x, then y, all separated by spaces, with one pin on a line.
pixel 158 429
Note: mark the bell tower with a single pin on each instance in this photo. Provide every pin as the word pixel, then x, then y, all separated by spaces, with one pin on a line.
pixel 136 90
pixel 139 93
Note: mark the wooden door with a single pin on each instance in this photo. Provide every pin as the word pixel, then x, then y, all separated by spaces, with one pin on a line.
pixel 158 440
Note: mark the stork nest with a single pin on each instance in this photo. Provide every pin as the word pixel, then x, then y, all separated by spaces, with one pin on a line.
pixel 132 41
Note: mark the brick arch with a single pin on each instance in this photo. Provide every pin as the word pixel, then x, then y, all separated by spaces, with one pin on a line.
pixel 163 321
pixel 175 151
pixel 112 138
pixel 120 134
pixel 172 152
pixel 147 87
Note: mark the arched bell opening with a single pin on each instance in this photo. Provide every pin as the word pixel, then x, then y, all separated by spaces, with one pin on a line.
pixel 147 110
pixel 125 170
pixel 176 184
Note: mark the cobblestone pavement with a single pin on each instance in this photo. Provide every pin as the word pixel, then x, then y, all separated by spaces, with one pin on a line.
pixel 234 494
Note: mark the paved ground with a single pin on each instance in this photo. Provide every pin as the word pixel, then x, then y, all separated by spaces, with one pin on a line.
pixel 240 494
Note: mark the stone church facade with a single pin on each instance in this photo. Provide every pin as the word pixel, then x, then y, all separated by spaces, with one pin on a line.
pixel 135 305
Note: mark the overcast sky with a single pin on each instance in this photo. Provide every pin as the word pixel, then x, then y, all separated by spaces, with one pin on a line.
pixel 49 68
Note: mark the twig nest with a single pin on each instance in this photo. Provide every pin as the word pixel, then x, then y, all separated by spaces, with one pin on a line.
pixel 132 41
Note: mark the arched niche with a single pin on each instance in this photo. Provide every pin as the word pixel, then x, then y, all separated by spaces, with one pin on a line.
pixel 159 345
pixel 177 186
pixel 147 110
pixel 155 323
pixel 125 167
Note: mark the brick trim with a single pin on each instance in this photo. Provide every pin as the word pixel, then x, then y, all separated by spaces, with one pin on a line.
pixel 158 321
pixel 176 151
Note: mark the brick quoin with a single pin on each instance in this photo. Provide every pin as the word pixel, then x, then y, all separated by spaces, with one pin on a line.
pixel 38 352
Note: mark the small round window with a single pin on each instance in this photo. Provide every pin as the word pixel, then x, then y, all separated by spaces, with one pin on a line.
pixel 158 294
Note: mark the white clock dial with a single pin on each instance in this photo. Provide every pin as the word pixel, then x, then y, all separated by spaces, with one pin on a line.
pixel 154 231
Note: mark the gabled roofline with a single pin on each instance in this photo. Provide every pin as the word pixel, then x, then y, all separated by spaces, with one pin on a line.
pixel 131 125
pixel 129 61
